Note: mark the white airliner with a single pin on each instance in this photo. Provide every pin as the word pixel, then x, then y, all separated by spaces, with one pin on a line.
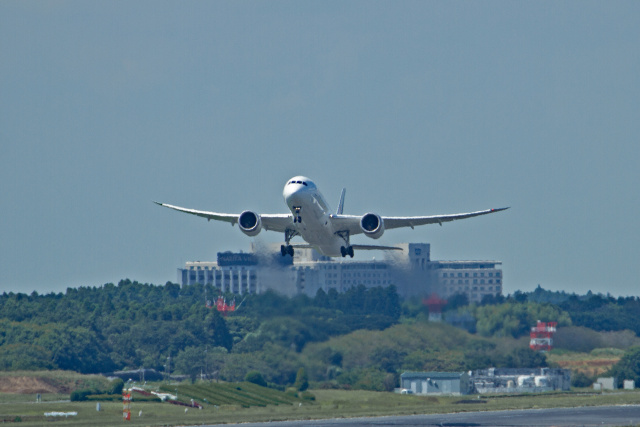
pixel 310 218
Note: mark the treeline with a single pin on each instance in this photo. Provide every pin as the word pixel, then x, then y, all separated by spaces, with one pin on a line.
pixel 514 314
pixel 100 329
pixel 133 325
pixel 364 337
pixel 301 319
pixel 594 311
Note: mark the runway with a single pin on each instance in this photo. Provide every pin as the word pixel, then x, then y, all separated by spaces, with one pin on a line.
pixel 627 415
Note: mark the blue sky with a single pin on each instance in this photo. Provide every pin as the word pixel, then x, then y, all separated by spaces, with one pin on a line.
pixel 418 108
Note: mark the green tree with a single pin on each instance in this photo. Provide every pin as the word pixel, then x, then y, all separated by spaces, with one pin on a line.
pixel 580 379
pixel 217 330
pixel 302 380
pixel 516 319
pixel 387 358
pixel 191 361
pixel 255 377
pixel 116 386
pixel 390 382
pixel 521 358
pixel 628 367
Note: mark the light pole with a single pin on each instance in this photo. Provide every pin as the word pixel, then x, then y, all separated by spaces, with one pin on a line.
pixel 206 361
pixel 169 368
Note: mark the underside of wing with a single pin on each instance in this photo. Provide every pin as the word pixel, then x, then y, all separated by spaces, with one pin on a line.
pixel 272 222
pixel 277 222
pixel 232 218
pixel 351 223
pixel 413 221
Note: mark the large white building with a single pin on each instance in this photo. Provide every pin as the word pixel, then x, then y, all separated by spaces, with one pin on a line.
pixel 473 278
pixel 411 271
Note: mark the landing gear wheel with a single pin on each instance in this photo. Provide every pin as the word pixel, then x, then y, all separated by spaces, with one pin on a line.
pixel 286 250
pixel 346 251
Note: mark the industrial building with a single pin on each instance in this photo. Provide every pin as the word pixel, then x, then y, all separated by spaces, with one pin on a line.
pixel 412 271
pixel 520 380
pixel 446 383
pixel 492 380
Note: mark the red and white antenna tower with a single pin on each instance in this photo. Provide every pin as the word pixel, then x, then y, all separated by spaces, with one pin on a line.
pixel 435 306
pixel 126 401
pixel 223 307
pixel 542 336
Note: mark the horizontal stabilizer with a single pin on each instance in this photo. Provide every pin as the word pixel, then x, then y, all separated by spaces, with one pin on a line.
pixel 376 248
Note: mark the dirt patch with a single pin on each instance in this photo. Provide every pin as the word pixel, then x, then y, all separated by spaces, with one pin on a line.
pixel 592 367
pixel 28 385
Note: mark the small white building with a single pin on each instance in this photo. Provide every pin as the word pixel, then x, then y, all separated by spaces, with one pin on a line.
pixel 607 383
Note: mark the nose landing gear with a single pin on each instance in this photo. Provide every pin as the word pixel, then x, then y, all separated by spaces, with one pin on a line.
pixel 296 216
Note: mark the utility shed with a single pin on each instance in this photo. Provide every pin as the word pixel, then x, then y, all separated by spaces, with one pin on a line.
pixel 608 383
pixel 450 383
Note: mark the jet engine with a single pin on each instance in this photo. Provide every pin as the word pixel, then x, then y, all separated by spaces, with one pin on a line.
pixel 372 225
pixel 249 223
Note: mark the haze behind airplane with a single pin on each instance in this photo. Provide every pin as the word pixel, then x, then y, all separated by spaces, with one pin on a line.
pixel 311 218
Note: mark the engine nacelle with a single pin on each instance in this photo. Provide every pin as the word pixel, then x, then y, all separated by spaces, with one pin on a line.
pixel 372 225
pixel 249 223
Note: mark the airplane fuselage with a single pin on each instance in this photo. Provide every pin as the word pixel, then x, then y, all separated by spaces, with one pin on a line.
pixel 312 216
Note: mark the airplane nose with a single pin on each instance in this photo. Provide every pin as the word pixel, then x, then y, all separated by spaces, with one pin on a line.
pixel 291 194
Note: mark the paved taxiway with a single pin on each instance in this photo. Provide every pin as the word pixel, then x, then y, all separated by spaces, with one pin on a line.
pixel 628 415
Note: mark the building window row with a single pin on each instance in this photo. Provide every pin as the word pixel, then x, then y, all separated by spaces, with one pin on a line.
pixel 482 274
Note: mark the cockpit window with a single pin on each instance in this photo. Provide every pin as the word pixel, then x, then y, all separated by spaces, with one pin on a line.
pixel 298 182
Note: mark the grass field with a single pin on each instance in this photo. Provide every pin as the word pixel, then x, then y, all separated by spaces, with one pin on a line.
pixel 243 394
pixel 328 404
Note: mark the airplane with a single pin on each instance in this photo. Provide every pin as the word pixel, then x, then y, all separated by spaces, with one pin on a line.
pixel 312 219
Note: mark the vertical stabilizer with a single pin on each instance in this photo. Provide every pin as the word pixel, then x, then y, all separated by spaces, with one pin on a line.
pixel 341 204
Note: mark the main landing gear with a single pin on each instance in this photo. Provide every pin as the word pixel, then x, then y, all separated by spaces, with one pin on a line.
pixel 346 251
pixel 286 249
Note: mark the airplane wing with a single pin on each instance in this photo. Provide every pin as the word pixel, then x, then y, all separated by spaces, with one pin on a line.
pixel 412 221
pixel 351 223
pixel 272 222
